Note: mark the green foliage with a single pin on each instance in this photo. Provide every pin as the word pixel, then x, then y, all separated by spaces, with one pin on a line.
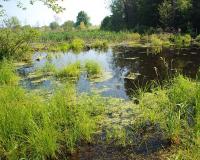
pixel 7 73
pixel 98 44
pixel 15 43
pixel 77 45
pixel 32 128
pixel 54 25
pixel 89 36
pixel 156 44
pixel 48 68
pixel 93 68
pixel 182 40
pixel 12 22
pixel 197 39
pixel 68 26
pixel 70 71
pixel 106 24
pixel 176 110
pixel 82 17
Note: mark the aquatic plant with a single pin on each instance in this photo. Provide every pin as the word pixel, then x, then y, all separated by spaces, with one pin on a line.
pixel 77 45
pixel 93 68
pixel 7 73
pixel 134 37
pixel 64 47
pixel 182 40
pixel 48 68
pixel 156 44
pixel 72 70
pixel 98 44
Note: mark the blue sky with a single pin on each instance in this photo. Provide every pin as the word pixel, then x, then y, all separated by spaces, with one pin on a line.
pixel 39 14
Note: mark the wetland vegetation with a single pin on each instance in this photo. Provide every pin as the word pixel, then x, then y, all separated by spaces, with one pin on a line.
pixel 118 91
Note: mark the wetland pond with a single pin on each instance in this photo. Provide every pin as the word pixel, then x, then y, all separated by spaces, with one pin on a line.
pixel 124 69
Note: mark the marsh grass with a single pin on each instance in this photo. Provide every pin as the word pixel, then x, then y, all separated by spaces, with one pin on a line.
pixel 31 128
pixel 182 40
pixel 47 69
pixel 93 68
pixel 175 109
pixel 77 45
pixel 156 44
pixel 99 44
pixel 72 70
pixel 7 73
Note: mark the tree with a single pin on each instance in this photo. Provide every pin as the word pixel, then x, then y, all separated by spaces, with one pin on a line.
pixel 166 13
pixel 54 25
pixel 68 25
pixel 12 22
pixel 83 17
pixel 106 24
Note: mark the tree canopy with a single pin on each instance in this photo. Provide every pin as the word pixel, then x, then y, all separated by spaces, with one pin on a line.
pixel 166 14
pixel 84 18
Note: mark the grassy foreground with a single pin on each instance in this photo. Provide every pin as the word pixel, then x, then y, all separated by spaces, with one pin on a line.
pixel 33 128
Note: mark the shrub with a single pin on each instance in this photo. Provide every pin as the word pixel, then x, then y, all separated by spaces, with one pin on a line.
pixel 14 43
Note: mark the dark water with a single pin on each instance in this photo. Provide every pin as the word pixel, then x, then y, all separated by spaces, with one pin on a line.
pixel 126 69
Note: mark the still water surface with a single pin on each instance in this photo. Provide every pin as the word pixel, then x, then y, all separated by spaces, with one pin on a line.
pixel 124 69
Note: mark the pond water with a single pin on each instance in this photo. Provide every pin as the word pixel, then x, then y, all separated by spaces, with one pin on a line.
pixel 125 69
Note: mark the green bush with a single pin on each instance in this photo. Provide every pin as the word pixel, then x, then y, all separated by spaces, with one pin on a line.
pixel 15 43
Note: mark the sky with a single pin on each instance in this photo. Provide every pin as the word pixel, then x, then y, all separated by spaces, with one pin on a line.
pixel 39 15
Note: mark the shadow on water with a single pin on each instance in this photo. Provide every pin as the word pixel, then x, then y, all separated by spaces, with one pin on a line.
pixel 128 69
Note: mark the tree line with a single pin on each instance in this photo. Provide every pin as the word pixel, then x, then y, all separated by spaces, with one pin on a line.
pixel 141 15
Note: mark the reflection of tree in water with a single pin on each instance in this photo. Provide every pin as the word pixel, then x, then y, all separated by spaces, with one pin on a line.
pixel 153 67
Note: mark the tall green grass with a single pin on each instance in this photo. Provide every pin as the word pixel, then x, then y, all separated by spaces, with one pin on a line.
pixel 70 71
pixel 175 109
pixel 93 68
pixel 7 73
pixel 34 129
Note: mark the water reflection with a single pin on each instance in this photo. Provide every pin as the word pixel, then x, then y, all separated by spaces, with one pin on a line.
pixel 127 68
